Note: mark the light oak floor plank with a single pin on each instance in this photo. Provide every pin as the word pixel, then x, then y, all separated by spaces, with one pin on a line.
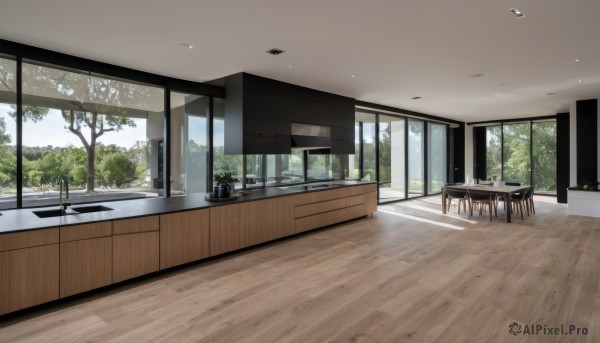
pixel 408 274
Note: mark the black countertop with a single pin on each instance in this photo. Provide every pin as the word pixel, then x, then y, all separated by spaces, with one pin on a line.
pixel 24 219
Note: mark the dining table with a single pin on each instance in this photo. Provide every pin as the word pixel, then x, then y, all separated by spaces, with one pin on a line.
pixel 506 191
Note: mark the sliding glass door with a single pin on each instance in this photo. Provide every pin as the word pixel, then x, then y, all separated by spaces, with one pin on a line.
pixel 544 156
pixel 392 151
pixel 416 158
pixel 436 163
pixel 516 156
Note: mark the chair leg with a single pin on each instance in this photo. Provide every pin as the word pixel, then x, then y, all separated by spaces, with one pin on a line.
pixel 532 205
pixel 521 207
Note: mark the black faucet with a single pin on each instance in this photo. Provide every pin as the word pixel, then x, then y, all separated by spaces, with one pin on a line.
pixel 64 205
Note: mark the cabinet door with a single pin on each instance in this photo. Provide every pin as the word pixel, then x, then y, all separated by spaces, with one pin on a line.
pixel 370 202
pixel 254 220
pixel 135 255
pixel 183 237
pixel 85 265
pixel 226 229
pixel 279 217
pixel 28 277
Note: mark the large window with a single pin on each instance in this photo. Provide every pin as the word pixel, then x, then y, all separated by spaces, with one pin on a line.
pixel 437 165
pixel 222 162
pixel 8 159
pixel 392 169
pixel 326 167
pixel 288 168
pixel 544 156
pixel 101 134
pixel 493 136
pixel 517 158
pixel 415 158
pixel 189 143
pixel 523 152
pixel 366 125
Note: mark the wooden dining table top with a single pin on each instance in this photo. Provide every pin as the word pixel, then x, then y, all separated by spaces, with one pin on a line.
pixel 489 188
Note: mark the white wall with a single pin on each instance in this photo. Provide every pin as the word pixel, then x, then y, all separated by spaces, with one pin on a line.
pixel 468 152
pixel 573 143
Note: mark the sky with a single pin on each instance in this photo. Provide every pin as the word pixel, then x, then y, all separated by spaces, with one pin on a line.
pixel 52 131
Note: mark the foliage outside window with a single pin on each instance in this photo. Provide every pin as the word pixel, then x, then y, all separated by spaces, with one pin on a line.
pixel 100 133
pixel 416 158
pixel 288 168
pixel 517 159
pixel 8 158
pixel 221 162
pixel 544 156
pixel 437 166
pixel 392 171
pixel 493 136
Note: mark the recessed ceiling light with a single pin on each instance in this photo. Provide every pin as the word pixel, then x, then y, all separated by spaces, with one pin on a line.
pixel 577 60
pixel 275 51
pixel 478 75
pixel 416 97
pixel 580 81
pixel 186 45
pixel 290 66
pixel 550 93
pixel 518 13
pixel 353 76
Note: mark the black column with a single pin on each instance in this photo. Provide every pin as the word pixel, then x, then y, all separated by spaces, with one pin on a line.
pixel 479 146
pixel 563 157
pixel 458 152
pixel 587 140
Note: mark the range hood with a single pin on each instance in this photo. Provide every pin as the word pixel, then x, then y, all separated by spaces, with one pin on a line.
pixel 310 137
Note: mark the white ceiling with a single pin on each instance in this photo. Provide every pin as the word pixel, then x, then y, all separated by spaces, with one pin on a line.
pixel 396 49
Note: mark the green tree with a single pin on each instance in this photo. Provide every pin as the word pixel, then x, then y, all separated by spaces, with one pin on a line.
pixel 118 169
pixel 96 107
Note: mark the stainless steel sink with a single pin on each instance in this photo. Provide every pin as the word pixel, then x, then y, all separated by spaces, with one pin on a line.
pixel 72 211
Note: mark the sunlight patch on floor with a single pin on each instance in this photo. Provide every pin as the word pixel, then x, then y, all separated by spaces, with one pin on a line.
pixel 423 220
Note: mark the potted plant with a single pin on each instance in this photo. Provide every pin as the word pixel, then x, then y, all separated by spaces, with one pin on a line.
pixel 224 182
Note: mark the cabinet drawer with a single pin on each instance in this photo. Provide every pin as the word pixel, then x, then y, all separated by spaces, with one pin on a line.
pixel 85 231
pixel 319 220
pixel 370 188
pixel 351 191
pixel 319 207
pixel 354 200
pixel 354 212
pixel 26 239
pixel 135 225
pixel 313 197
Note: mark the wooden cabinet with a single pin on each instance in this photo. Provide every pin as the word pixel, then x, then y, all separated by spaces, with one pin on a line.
pixel 135 247
pixel 279 221
pixel 237 226
pixel 85 257
pixel 184 237
pixel 318 209
pixel 28 269
pixel 370 198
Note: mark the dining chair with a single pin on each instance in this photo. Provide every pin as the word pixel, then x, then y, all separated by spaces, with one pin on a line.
pixel 529 200
pixel 481 199
pixel 500 197
pixel 519 202
pixel 461 196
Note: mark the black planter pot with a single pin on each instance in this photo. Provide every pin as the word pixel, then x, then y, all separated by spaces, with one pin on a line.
pixel 222 191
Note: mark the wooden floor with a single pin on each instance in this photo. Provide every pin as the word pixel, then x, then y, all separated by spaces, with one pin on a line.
pixel 409 274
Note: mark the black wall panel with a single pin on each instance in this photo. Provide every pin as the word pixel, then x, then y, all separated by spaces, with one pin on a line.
pixel 587 140
pixel 479 147
pixel 563 158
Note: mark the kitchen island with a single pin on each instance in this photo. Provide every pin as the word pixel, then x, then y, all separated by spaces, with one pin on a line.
pixel 46 259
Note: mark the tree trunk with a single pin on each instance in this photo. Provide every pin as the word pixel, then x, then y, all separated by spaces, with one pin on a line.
pixel 91 171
